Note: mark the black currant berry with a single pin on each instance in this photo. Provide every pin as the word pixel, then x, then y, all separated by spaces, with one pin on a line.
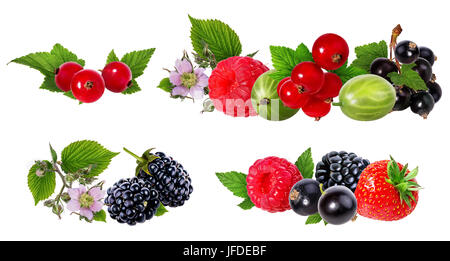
pixel 403 99
pixel 382 67
pixel 337 205
pixel 304 197
pixel 340 168
pixel 435 90
pixel 132 201
pixel 406 52
pixel 422 103
pixel 423 68
pixel 427 54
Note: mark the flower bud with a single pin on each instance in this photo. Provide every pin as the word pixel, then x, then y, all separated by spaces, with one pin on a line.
pixel 65 197
pixel 49 203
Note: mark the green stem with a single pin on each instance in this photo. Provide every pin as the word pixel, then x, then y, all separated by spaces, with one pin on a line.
pixel 337 103
pixel 134 155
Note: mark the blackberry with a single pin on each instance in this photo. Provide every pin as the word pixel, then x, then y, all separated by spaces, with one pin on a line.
pixel 170 179
pixel 165 175
pixel 340 168
pixel 132 201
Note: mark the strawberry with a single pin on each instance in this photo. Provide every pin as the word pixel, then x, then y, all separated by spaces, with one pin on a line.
pixel 387 191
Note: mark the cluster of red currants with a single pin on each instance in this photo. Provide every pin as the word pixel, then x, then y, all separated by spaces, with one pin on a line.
pixel 88 85
pixel 309 87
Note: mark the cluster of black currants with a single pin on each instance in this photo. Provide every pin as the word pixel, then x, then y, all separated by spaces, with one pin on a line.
pixel 408 52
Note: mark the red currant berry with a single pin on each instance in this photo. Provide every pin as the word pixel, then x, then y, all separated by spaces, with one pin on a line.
pixel 291 95
pixel 316 108
pixel 87 86
pixel 64 74
pixel 331 87
pixel 330 51
pixel 281 83
pixel 117 76
pixel 309 76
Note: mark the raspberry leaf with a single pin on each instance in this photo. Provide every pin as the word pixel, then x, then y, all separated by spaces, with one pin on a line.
pixel 367 53
pixel 217 36
pixel 86 154
pixel 161 210
pixel 43 186
pixel 166 85
pixel 100 216
pixel 137 61
pixel 305 164
pixel 235 182
pixel 408 77
pixel 246 204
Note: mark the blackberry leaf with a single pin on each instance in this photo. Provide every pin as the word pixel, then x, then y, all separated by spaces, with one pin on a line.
pixel 86 154
pixel 100 216
pixel 41 187
pixel 161 210
pixel 166 85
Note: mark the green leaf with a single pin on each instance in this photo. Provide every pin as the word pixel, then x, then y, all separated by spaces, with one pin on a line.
pixel 64 55
pixel 367 53
pixel 246 204
pixel 166 85
pixel 44 62
pixel 347 72
pixel 137 61
pixel 218 36
pixel 112 57
pixel 100 216
pixel 133 88
pixel 161 210
pixel 305 164
pixel 408 77
pixel 235 182
pixel 313 219
pixel 85 154
pixel 302 54
pixel 53 153
pixel 41 187
pixel 284 59
pixel 49 84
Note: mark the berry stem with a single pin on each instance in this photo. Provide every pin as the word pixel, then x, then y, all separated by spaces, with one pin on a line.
pixel 336 103
pixel 141 160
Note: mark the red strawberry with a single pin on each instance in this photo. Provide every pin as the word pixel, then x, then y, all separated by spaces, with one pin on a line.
pixel 231 83
pixel 269 183
pixel 387 191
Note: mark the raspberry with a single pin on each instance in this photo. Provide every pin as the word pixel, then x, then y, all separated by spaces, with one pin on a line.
pixel 269 182
pixel 132 201
pixel 340 168
pixel 169 178
pixel 231 84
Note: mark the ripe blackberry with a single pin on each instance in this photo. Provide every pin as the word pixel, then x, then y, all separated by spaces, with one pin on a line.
pixel 132 201
pixel 340 168
pixel 165 175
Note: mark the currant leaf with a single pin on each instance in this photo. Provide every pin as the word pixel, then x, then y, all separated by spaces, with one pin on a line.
pixel 138 61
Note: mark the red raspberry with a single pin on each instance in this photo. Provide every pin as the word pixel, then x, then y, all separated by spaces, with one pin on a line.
pixel 231 83
pixel 269 182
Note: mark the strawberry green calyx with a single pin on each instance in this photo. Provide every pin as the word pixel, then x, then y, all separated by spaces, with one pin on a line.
pixel 142 161
pixel 404 183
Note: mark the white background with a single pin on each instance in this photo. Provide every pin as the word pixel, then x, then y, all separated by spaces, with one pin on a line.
pixel 208 143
